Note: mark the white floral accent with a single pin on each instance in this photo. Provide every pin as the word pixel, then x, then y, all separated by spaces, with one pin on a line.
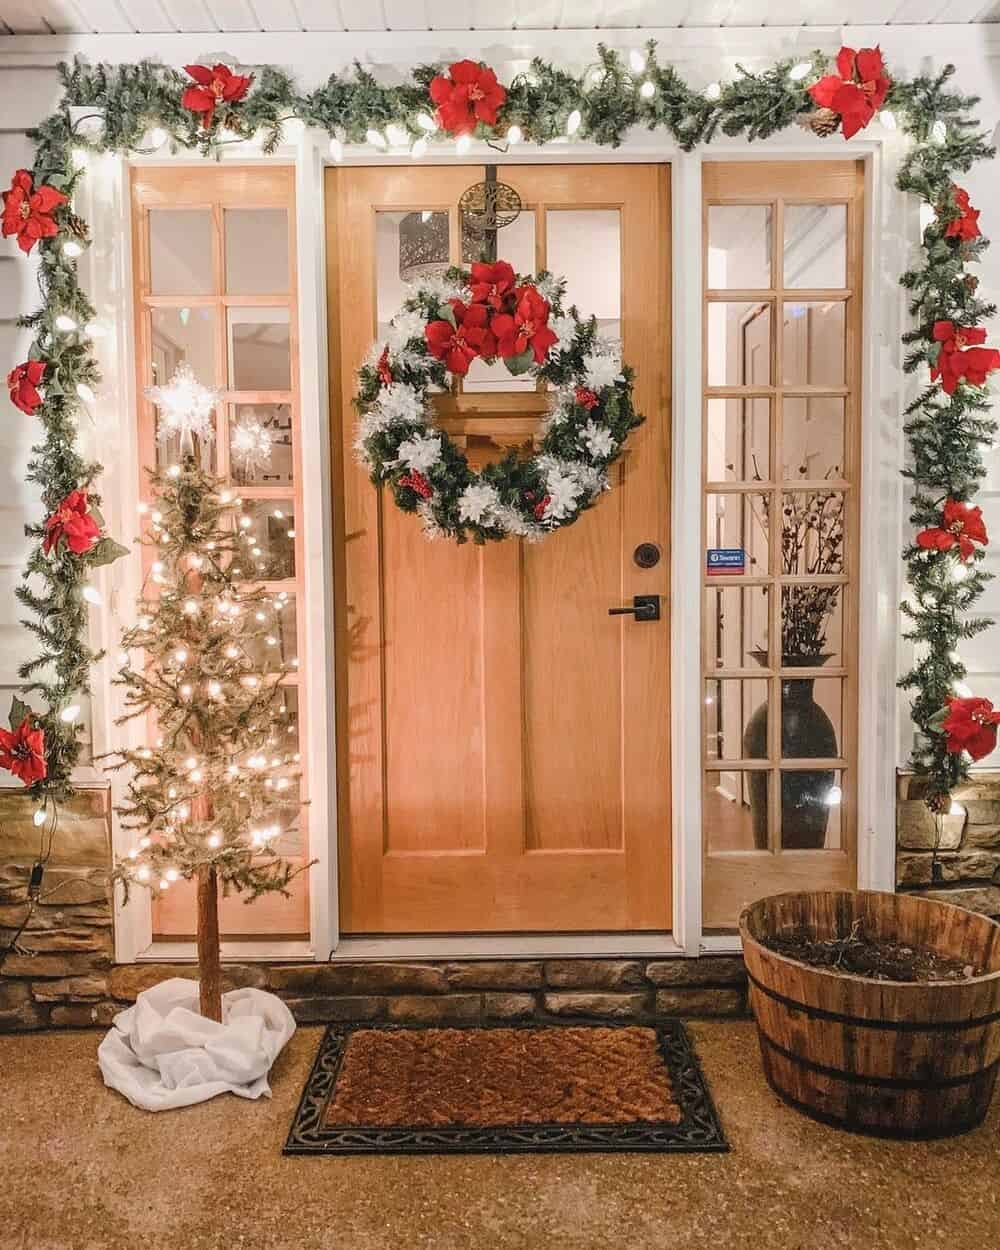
pixel 564 328
pixel 597 439
pixel 513 522
pixel 432 530
pixel 421 452
pixel 440 289
pixel 477 501
pixel 398 404
pixel 549 288
pixel 563 490
pixel 601 371
pixel 404 327
pixel 594 481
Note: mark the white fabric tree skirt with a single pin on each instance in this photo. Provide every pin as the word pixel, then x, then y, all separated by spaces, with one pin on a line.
pixel 162 1053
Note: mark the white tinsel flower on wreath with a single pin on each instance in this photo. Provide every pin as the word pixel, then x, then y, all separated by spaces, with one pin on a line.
pixel 511 521
pixel 564 328
pixel 477 502
pixel 550 287
pixel 398 404
pixel 406 325
pixel 439 290
pixel 420 452
pixel 598 440
pixel 601 370
pixel 564 490
pixel 432 530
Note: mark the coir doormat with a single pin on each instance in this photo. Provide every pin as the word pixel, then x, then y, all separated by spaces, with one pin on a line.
pixel 521 1089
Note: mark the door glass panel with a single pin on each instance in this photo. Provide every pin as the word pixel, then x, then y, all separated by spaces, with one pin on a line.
pixel 811 807
pixel 812 437
pixel 408 246
pixel 183 335
pixel 811 717
pixel 279 646
pixel 260 444
pixel 267 531
pixel 812 628
pixel 256 251
pixel 739 522
pixel 737 624
pixel 739 344
pixel 584 247
pixel 736 718
pixel 813 344
pixel 739 247
pixel 812 532
pixel 739 434
pixel 515 244
pixel 815 246
pixel 734 810
pixel 180 252
pixel 259 349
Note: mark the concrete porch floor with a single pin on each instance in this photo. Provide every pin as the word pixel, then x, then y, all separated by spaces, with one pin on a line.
pixel 83 1170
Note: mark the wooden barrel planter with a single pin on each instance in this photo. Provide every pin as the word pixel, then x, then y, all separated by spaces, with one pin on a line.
pixel 891 1058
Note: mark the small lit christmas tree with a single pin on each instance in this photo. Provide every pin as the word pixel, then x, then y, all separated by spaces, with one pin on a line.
pixel 205 799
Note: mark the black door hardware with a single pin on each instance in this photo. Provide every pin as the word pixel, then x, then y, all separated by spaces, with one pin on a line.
pixel 644 608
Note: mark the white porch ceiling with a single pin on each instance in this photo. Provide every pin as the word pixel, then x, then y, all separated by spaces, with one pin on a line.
pixel 41 17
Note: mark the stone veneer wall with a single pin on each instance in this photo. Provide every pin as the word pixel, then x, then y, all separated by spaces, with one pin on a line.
pixel 966 869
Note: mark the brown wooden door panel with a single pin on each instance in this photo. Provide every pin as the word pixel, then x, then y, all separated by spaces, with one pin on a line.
pixel 504 741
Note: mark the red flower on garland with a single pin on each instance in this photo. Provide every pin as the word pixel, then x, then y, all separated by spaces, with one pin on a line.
pixel 528 327
pixel 585 398
pixel 27 210
pixel 416 481
pixel 971 725
pixel 960 526
pixel 384 372
pixel 491 284
pixel 74 522
pixel 22 382
pixel 857 91
pixel 966 225
pixel 215 86
pixel 458 345
pixel 957 359
pixel 22 752
pixel 469 94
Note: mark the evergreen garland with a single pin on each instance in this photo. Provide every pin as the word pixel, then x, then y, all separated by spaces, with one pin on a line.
pixel 946 433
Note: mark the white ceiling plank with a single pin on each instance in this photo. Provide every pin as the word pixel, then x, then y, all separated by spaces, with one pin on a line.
pixel 663 12
pixel 319 15
pixel 232 15
pixel 969 11
pixel 28 17
pixel 276 15
pixel 709 13
pixel 106 17
pixel 405 14
pixel 537 14
pixel 623 14
pixel 149 17
pixel 448 15
pixel 361 14
pixel 190 15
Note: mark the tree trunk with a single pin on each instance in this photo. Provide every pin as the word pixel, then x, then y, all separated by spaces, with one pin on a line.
pixel 209 961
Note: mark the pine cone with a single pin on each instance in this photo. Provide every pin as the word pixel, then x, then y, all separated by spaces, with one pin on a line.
pixel 78 226
pixel 971 283
pixel 939 804
pixel 823 122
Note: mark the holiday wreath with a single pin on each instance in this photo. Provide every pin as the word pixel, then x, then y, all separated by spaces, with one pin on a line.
pixel 491 313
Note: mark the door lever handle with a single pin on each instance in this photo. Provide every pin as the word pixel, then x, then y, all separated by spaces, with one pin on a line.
pixel 644 608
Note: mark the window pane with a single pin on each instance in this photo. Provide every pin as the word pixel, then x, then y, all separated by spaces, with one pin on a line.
pixel 813 344
pixel 180 252
pixel 737 522
pixel 734 810
pixel 812 437
pixel 738 448
pixel 516 244
pixel 737 626
pixel 279 646
pixel 811 806
pixel 584 247
pixel 267 528
pixel 815 245
pixel 260 444
pixel 256 251
pixel 811 717
pixel 739 246
pixel 811 625
pixel 285 745
pixel 812 532
pixel 260 356
pixel 408 247
pixel 736 718
pixel 180 335
pixel 739 344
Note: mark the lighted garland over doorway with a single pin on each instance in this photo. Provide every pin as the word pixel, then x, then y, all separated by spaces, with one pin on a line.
pixel 148 107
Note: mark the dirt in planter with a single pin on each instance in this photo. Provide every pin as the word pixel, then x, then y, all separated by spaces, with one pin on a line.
pixel 864 956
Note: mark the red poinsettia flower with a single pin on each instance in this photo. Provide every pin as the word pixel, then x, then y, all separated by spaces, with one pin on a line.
pixel 966 224
pixel 961 355
pixel 74 522
pixel 469 94
pixel 416 481
pixel 528 327
pixel 585 398
pixel 22 752
pixel 22 381
pixel 215 86
pixel 458 345
pixel 492 283
pixel 384 371
pixel 971 725
pixel 27 210
pixel 857 91
pixel 960 526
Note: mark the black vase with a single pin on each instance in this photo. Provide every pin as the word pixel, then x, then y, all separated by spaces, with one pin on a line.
pixel 806 732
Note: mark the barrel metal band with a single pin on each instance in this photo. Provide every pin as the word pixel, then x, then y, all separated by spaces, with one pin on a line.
pixel 897 1026
pixel 883 1082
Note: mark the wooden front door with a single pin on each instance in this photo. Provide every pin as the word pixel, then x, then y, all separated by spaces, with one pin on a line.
pixel 504 743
